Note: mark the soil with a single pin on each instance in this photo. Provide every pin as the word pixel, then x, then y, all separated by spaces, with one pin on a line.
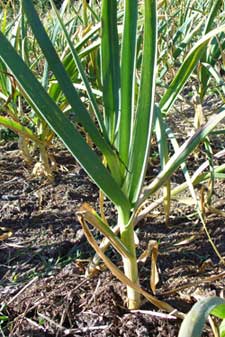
pixel 43 288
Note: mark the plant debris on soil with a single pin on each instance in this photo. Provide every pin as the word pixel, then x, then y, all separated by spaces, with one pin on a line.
pixel 43 288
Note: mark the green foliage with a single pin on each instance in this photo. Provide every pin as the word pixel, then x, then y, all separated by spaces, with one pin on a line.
pixel 28 124
pixel 194 321
pixel 6 135
pixel 4 319
pixel 105 78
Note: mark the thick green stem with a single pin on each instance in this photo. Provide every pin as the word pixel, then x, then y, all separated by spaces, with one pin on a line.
pixel 129 264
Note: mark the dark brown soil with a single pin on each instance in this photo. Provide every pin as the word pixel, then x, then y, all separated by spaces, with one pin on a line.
pixel 43 289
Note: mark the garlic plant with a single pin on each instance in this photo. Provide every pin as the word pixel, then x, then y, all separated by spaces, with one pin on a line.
pixel 123 132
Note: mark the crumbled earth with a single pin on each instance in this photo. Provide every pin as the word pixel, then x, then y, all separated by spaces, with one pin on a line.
pixel 43 288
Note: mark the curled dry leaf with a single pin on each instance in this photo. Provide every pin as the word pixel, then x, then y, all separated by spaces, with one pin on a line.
pixel 152 250
pixel 154 278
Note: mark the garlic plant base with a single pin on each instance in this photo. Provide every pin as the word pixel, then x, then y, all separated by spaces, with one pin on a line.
pixel 133 304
